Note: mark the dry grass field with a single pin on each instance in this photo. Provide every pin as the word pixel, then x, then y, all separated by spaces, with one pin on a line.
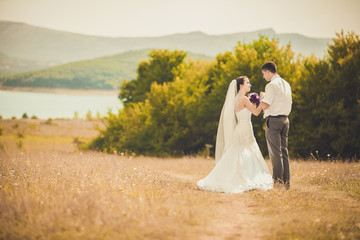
pixel 49 189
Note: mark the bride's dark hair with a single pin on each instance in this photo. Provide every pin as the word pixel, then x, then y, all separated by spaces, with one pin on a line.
pixel 240 81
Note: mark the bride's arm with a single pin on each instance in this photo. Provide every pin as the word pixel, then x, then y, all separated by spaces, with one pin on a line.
pixel 265 105
pixel 252 107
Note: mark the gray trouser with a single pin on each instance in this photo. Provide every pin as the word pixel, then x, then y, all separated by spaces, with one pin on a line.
pixel 276 133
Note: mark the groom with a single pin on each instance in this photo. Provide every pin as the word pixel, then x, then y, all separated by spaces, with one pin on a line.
pixel 276 102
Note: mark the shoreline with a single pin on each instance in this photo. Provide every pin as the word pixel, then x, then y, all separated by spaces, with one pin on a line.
pixel 65 91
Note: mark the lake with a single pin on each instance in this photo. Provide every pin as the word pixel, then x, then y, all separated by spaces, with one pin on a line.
pixel 53 105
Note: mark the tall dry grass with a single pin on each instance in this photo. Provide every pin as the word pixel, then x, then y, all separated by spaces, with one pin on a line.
pixel 58 135
pixel 323 203
pixel 94 196
pixel 51 190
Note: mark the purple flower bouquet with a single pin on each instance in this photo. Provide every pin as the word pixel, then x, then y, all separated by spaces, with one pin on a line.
pixel 254 98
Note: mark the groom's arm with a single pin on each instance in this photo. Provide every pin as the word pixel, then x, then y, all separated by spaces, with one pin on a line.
pixel 267 96
pixel 264 105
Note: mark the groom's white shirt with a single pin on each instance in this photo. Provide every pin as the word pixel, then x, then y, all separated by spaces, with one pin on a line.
pixel 278 96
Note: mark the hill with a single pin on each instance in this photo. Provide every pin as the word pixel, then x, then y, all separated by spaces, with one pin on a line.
pixel 30 42
pixel 100 73
pixel 10 65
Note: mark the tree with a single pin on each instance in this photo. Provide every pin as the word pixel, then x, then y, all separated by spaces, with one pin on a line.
pixel 328 112
pixel 163 66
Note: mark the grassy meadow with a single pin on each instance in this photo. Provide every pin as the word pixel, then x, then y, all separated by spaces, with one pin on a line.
pixel 51 189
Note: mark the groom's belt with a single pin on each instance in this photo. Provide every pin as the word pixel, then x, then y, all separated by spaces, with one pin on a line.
pixel 277 116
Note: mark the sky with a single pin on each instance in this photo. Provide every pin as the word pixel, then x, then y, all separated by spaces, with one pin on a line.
pixel 134 18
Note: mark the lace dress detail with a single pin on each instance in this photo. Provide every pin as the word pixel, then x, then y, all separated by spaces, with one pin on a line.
pixel 242 167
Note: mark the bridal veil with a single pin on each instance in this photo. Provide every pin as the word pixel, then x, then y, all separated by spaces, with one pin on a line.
pixel 227 122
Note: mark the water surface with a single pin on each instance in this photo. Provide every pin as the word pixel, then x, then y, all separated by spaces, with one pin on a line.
pixel 51 105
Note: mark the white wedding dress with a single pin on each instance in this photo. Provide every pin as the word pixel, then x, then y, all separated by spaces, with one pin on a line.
pixel 241 167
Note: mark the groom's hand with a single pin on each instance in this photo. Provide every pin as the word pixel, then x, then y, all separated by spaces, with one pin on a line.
pixel 262 94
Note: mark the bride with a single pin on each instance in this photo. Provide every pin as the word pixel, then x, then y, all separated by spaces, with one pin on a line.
pixel 240 165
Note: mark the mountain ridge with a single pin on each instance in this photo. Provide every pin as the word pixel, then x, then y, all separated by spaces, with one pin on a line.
pixel 26 41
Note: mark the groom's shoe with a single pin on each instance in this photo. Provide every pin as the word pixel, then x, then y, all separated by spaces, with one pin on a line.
pixel 278 185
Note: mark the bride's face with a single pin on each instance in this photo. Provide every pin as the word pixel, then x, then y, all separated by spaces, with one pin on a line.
pixel 246 85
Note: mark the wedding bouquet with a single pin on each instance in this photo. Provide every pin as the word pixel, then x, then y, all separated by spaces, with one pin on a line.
pixel 254 98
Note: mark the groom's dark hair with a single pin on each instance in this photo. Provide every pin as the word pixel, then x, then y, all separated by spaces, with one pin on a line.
pixel 270 66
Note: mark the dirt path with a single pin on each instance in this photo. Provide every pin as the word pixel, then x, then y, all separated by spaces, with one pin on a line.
pixel 234 219
pixel 234 214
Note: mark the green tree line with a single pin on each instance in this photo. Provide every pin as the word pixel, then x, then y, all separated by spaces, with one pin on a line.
pixel 173 106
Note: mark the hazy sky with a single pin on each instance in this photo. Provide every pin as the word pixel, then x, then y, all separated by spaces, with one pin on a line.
pixel 313 18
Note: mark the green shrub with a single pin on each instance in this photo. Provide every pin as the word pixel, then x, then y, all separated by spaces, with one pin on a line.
pixel 15 125
pixel 49 121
